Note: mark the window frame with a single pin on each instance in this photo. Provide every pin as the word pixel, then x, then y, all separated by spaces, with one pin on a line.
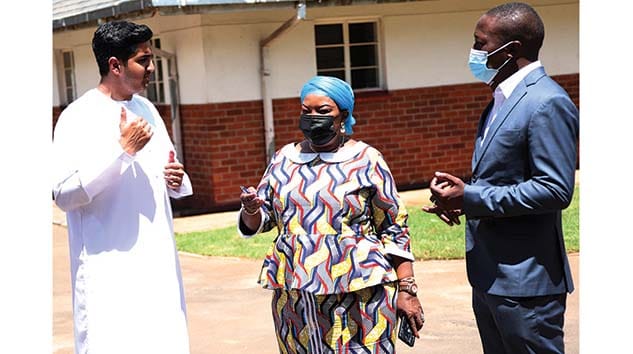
pixel 63 81
pixel 161 97
pixel 345 22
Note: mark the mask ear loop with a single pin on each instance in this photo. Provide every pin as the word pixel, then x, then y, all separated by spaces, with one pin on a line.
pixel 504 63
pixel 502 47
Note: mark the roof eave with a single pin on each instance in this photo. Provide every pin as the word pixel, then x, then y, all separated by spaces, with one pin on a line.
pixel 123 10
pixel 144 8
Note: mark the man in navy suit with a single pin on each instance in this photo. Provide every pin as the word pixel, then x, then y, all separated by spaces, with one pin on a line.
pixel 523 169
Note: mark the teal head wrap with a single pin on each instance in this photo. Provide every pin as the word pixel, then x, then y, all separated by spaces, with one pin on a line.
pixel 338 90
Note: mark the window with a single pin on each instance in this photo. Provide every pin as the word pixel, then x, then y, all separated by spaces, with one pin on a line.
pixel 69 76
pixel 349 51
pixel 155 91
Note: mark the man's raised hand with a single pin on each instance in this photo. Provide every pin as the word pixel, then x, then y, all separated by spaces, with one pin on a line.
pixel 135 134
pixel 447 197
pixel 174 172
pixel 448 191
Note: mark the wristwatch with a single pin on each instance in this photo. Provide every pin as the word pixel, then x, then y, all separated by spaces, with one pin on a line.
pixel 408 285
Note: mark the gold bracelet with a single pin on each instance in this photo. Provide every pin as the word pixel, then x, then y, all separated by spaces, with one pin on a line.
pixel 247 213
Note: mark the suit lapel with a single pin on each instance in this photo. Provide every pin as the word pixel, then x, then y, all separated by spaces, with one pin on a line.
pixel 508 106
pixel 480 133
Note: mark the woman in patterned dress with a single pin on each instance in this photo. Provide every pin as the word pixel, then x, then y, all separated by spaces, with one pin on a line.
pixel 341 265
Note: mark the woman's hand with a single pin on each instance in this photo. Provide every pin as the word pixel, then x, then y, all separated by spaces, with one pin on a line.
pixel 410 309
pixel 250 202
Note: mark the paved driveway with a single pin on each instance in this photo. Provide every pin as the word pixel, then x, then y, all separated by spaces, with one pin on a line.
pixel 229 313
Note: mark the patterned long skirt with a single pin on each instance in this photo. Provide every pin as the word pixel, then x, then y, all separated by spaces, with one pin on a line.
pixel 363 321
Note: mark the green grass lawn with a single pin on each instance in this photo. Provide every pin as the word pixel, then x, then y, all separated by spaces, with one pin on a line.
pixel 431 238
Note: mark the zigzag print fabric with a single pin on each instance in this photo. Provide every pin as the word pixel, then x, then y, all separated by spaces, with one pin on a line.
pixel 339 218
pixel 358 322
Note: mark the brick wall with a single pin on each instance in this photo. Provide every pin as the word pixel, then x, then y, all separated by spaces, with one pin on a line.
pixel 56 112
pixel 224 147
pixel 571 84
pixel 418 131
pixel 165 113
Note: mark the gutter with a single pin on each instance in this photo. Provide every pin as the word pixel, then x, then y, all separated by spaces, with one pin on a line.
pixel 127 9
pixel 265 44
pixel 95 16
pixel 132 8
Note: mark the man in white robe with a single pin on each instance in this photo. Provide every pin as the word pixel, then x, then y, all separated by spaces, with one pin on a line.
pixel 115 171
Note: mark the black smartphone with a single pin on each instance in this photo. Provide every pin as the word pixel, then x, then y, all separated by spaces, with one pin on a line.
pixel 405 333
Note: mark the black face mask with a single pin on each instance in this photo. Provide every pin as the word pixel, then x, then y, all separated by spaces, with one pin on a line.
pixel 318 129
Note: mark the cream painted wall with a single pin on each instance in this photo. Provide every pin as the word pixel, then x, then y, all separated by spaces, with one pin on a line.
pixel 427 50
pixel 293 61
pixel 232 61
pixel 436 53
pixel 560 51
pixel 187 44
pixel 182 35
pixel 86 70
pixel 179 34
pixel 424 43
pixel 419 50
pixel 231 54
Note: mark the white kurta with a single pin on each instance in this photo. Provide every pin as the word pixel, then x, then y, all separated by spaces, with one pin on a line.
pixel 127 288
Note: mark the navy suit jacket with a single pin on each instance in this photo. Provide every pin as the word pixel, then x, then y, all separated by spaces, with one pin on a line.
pixel 522 178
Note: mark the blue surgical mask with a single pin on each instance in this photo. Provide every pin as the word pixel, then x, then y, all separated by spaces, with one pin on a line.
pixel 477 62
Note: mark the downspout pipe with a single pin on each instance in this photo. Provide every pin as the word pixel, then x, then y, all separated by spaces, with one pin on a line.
pixel 264 46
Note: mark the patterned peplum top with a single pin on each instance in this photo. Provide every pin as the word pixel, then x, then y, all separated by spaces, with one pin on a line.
pixel 339 220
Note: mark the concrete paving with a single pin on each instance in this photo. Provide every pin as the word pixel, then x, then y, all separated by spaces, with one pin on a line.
pixel 229 313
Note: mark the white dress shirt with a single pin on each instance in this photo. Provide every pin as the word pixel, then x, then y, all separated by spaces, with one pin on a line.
pixel 504 90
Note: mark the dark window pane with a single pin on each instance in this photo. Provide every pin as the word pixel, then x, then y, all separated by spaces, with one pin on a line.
pixel 328 34
pixel 67 60
pixel 151 92
pixel 328 58
pixel 336 73
pixel 362 32
pixel 363 78
pixel 68 77
pixel 161 93
pixel 362 55
pixel 159 69
pixel 157 43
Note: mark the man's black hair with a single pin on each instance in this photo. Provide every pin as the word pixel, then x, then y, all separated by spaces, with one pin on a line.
pixel 118 39
pixel 519 21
